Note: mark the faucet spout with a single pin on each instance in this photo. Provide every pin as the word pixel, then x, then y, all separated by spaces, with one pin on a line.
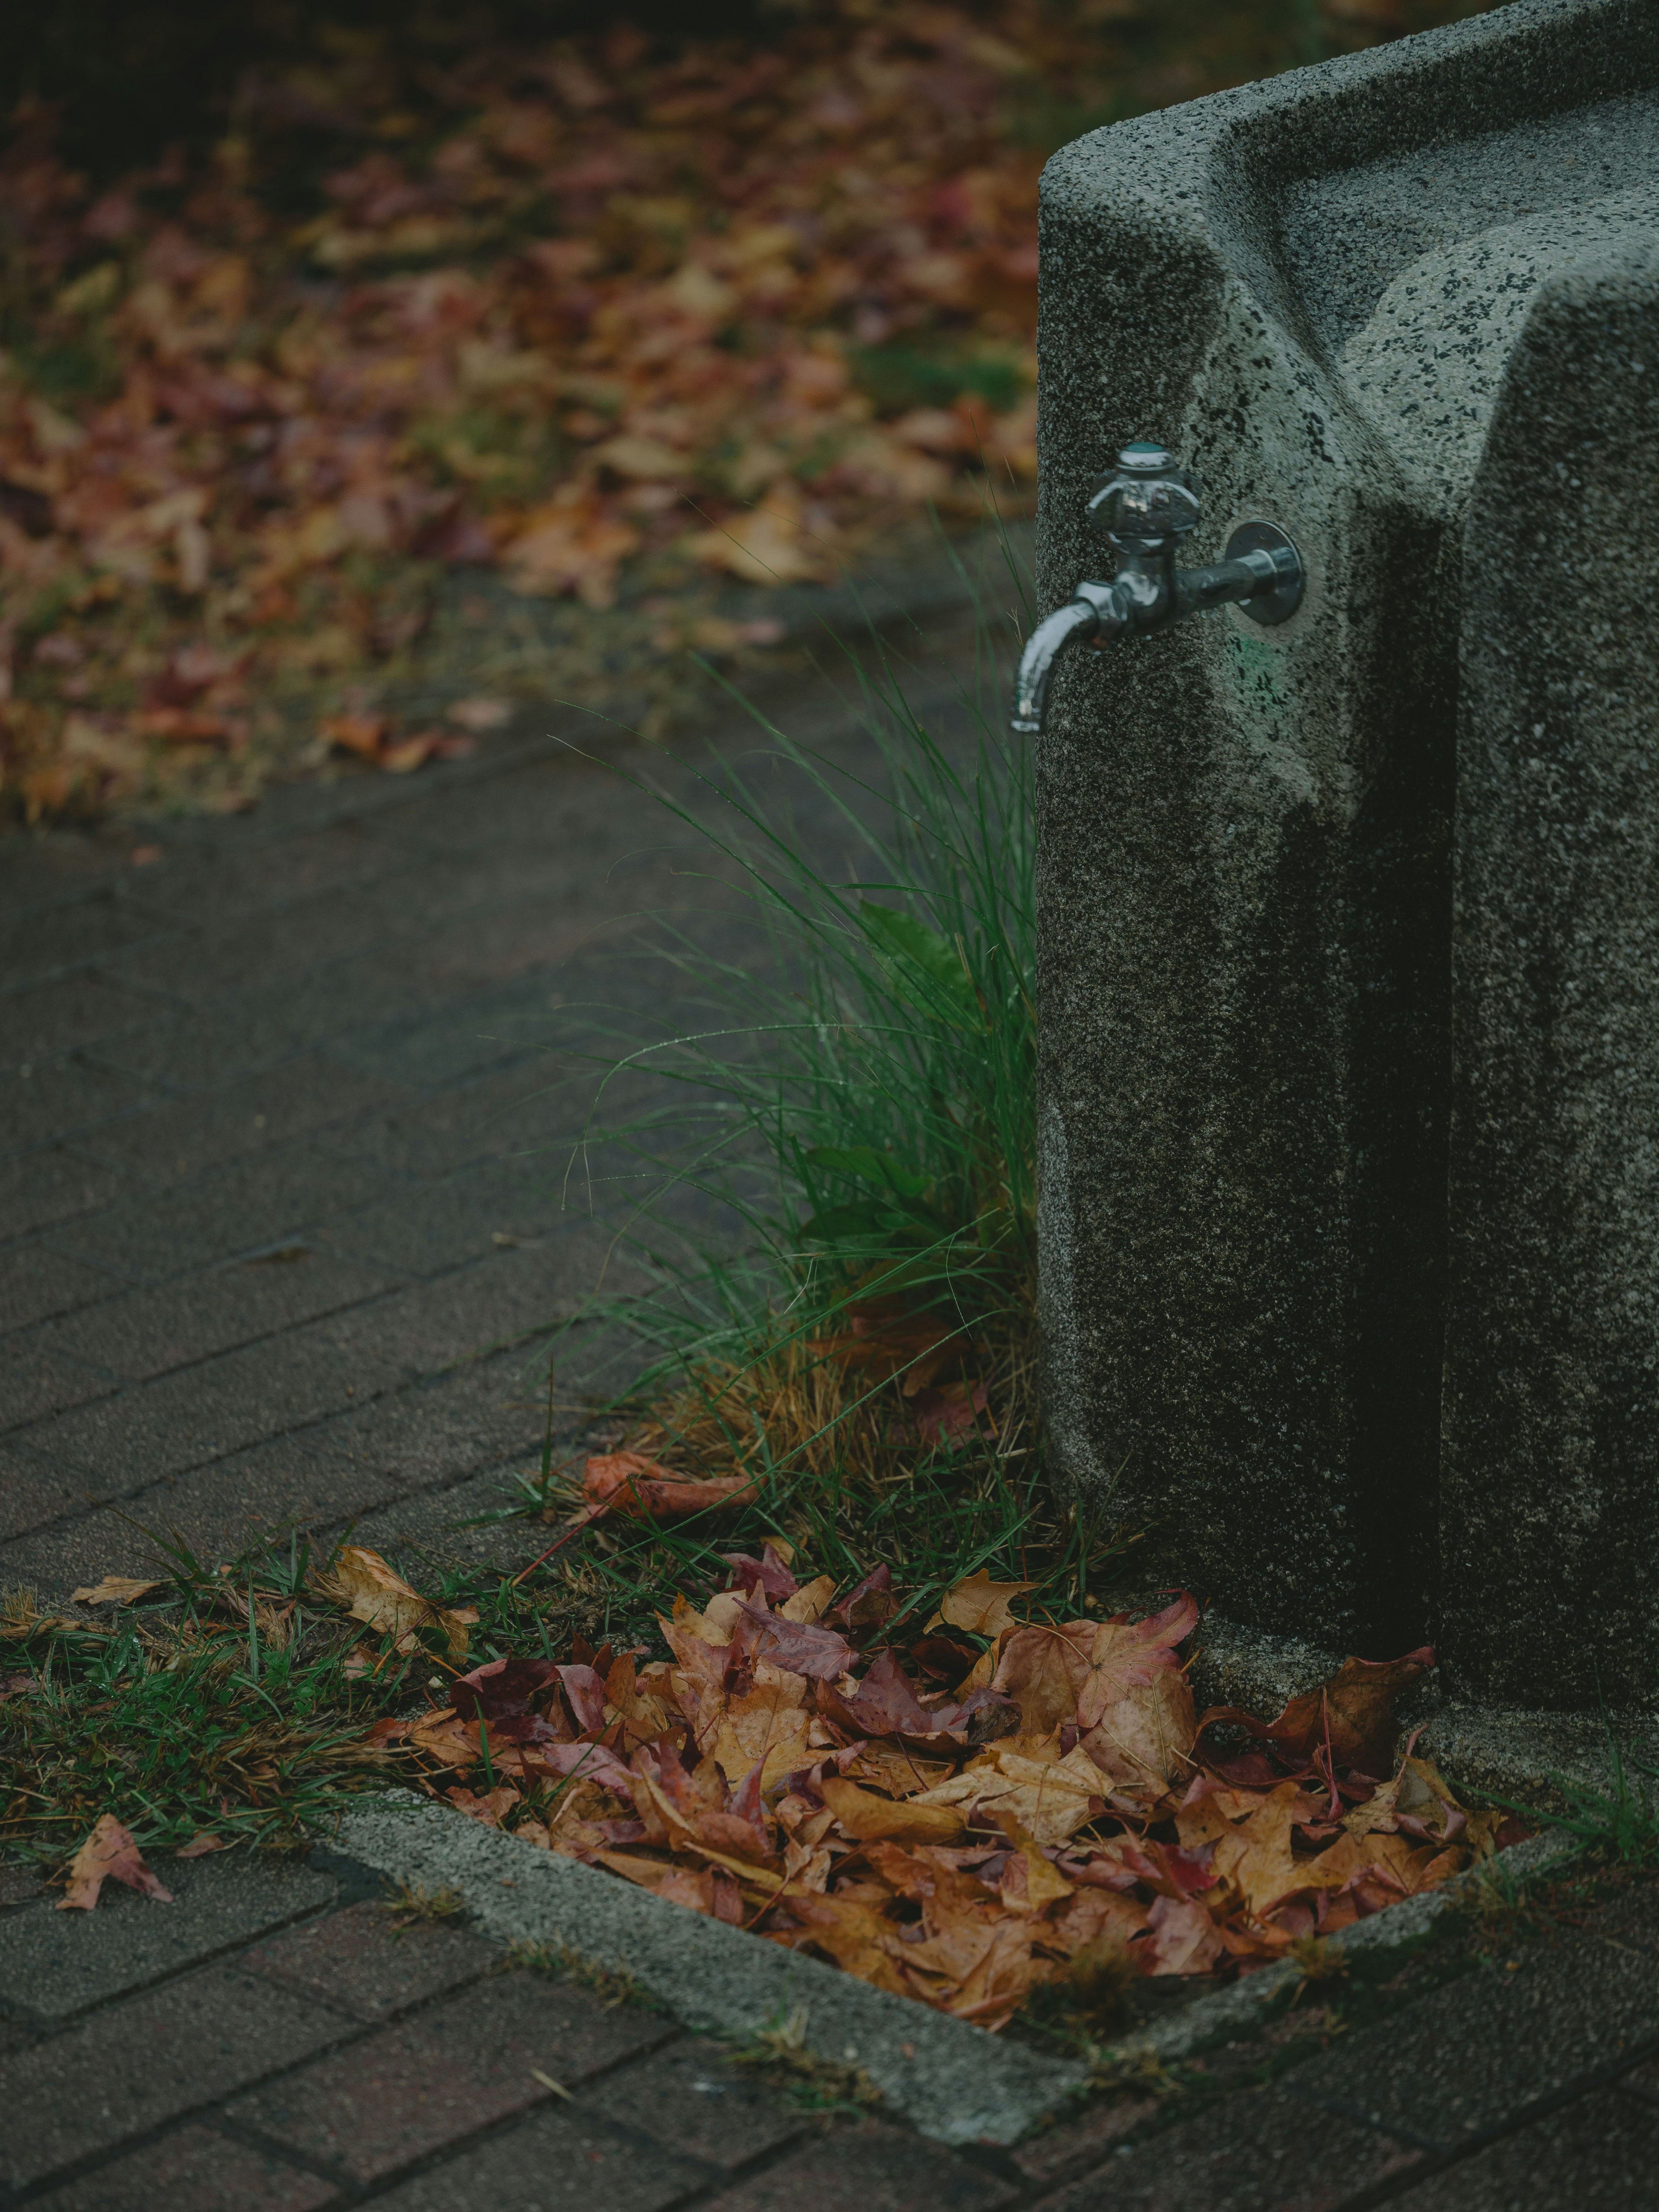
pixel 1095 614
pixel 1145 510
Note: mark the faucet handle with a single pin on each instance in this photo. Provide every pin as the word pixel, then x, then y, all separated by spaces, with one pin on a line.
pixel 1145 496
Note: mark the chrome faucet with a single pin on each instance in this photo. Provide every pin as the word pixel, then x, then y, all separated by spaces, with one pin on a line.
pixel 1144 509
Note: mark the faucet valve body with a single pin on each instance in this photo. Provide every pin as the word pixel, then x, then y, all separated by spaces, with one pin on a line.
pixel 1144 508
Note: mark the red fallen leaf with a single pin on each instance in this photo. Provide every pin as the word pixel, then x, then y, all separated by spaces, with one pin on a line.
pixel 636 1487
pixel 487 1808
pixel 1166 1868
pixel 584 1689
pixel 189 725
pixel 503 1690
pixel 1353 1713
pixel 944 1412
pixel 943 1658
pixel 1180 1939
pixel 16 1685
pixel 589 1762
pixel 871 1602
pixel 770 1572
pixel 886 1704
pixel 109 1849
pixel 414 751
pixel 199 1846
pixel 820 1654
pixel 885 1338
pixel 361 734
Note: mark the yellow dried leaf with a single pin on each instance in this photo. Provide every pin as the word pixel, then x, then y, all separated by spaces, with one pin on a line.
pixel 115 1590
pixel 979 1605
pixel 870 1818
pixel 375 1594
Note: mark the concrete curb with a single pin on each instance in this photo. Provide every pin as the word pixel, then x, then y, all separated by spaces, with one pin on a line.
pixel 1245 2005
pixel 952 2080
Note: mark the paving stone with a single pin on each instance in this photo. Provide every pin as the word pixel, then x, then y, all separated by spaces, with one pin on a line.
pixel 426 1328
pixel 413 2089
pixel 135 2066
pixel 56 868
pixel 183 1420
pixel 217 1510
pixel 53 1185
pixel 1575 2006
pixel 307 931
pixel 59 1098
pixel 191 1048
pixel 687 2094
pixel 1599 2154
pixel 1079 2144
pixel 38 944
pixel 33 1491
pixel 35 1380
pixel 1628 1918
pixel 439 1225
pixel 260 1202
pixel 429 1533
pixel 20 1885
pixel 187 1134
pixel 46 1018
pixel 510 1112
pixel 552 2163
pixel 268 870
pixel 431 1433
pixel 874 2168
pixel 360 1961
pixel 55 1964
pixel 357 1466
pixel 562 803
pixel 194 2169
pixel 37 1282
pixel 149 1332
pixel 1261 2151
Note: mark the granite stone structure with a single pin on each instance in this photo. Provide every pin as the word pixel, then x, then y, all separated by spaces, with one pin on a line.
pixel 1350 925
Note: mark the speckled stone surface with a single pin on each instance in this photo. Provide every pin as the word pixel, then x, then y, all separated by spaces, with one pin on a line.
pixel 1550 1504
pixel 1318 292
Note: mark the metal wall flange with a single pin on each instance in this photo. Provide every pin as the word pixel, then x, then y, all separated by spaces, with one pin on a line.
pixel 1280 604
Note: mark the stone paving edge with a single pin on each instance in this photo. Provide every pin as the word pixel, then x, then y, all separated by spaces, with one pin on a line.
pixel 1246 2005
pixel 952 2080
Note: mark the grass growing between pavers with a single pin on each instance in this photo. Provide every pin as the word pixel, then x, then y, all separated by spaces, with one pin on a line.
pixel 1502 1926
pixel 850 1099
pixel 813 1527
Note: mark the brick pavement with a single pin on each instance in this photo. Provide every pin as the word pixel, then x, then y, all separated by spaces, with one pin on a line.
pixel 279 1239
pixel 276 2039
pixel 285 1106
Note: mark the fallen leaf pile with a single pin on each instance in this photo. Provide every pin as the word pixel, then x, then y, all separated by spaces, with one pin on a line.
pixel 955 1821
pixel 554 309
pixel 578 304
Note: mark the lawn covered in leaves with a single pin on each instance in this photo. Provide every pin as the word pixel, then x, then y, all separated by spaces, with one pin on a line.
pixel 610 313
pixel 969 1791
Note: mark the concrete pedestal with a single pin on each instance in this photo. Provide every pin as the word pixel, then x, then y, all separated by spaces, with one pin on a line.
pixel 1288 1063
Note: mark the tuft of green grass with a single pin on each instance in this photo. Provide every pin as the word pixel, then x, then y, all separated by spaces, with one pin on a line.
pixel 613 1986
pixel 854 1109
pixel 413 1904
pixel 1088 2004
pixel 233 1701
pixel 1622 1823
pixel 777 2054
pixel 854 1104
